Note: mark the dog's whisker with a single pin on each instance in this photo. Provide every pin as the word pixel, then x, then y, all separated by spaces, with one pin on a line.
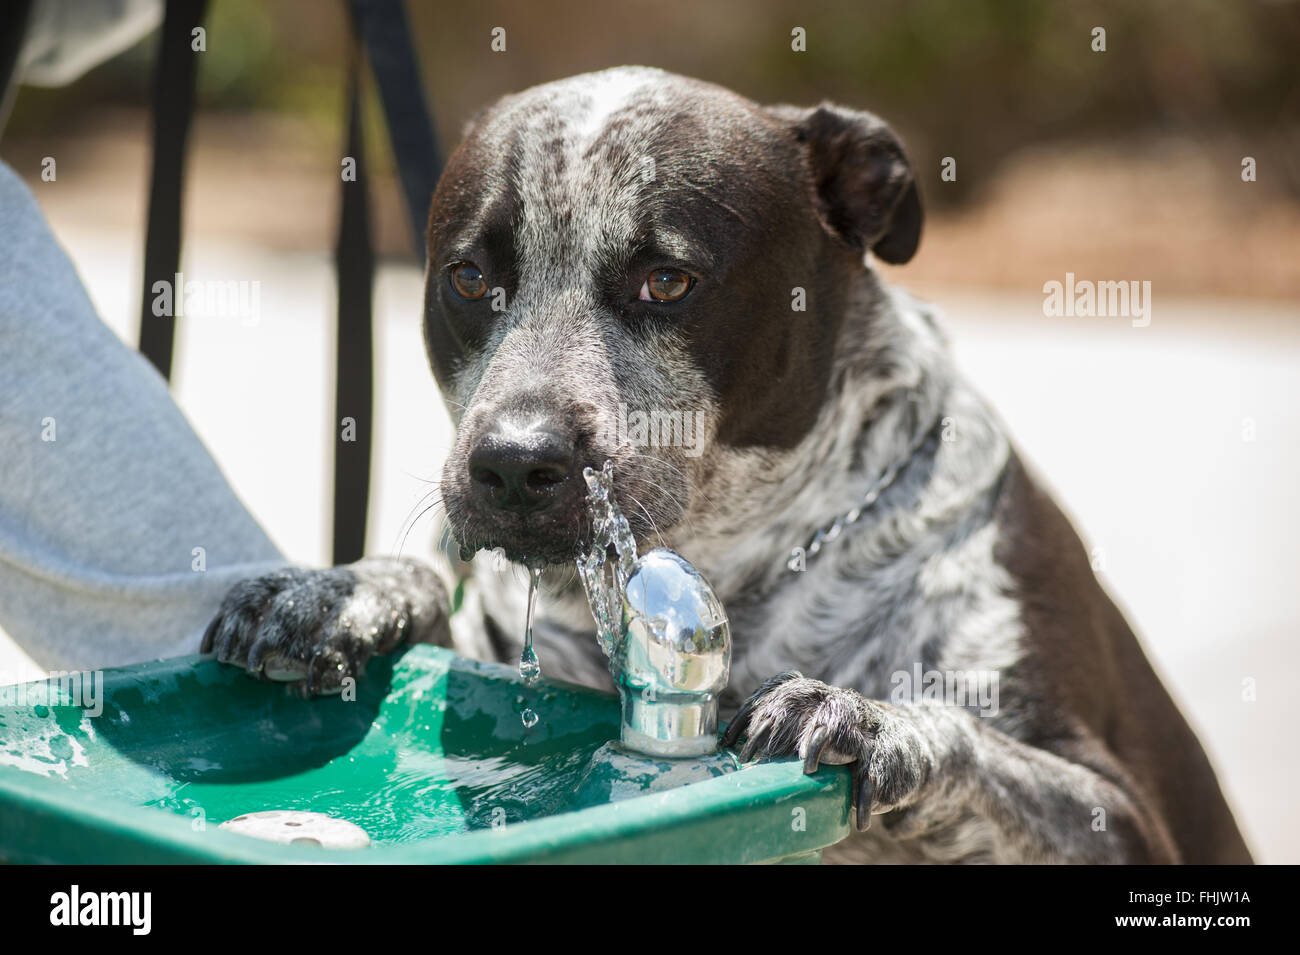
pixel 646 472
pixel 420 505
pixel 402 546
pixel 654 527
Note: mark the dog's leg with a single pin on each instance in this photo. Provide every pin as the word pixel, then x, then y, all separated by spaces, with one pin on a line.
pixel 928 764
pixel 322 626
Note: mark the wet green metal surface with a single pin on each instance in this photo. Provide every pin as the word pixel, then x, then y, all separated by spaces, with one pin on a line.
pixel 431 759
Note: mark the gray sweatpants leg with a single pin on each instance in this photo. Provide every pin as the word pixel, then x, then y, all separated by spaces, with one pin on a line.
pixel 118 533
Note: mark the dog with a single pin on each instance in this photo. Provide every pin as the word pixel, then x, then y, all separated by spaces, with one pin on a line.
pixel 635 241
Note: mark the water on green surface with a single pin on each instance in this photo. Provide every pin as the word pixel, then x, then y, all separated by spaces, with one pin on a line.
pixel 426 748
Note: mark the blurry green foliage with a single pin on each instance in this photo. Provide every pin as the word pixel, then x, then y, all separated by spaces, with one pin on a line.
pixel 972 78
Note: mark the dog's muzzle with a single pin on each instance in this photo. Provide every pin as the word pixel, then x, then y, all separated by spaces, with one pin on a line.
pixel 519 487
pixel 522 470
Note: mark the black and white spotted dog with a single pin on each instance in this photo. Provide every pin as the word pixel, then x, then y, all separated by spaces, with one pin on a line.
pixel 634 241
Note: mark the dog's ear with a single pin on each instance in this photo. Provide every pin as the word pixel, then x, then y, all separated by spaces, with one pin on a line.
pixel 864 189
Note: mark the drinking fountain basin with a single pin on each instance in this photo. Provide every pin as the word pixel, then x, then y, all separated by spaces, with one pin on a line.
pixel 430 762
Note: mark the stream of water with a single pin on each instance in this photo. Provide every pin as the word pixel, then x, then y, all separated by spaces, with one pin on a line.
pixel 603 584
pixel 530 669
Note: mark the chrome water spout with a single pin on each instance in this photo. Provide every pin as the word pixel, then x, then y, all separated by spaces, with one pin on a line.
pixel 672 658
pixel 664 630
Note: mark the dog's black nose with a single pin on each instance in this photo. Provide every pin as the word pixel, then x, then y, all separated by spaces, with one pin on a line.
pixel 521 470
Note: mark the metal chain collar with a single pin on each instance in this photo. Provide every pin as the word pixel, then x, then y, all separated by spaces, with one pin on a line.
pixel 801 555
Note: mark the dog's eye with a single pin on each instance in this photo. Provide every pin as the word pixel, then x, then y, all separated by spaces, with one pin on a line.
pixel 468 281
pixel 666 285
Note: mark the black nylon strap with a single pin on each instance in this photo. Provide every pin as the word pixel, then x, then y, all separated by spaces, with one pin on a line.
pixel 354 264
pixel 386 34
pixel 173 107
pixel 14 17
pixel 382 28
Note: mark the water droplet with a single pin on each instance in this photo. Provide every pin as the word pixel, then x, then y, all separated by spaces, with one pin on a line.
pixel 529 668
pixel 529 718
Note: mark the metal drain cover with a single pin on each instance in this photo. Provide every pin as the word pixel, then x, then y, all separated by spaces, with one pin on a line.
pixel 297 827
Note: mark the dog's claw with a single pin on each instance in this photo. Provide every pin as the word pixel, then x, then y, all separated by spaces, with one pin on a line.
pixel 257 656
pixel 862 791
pixel 313 675
pixel 325 672
pixel 754 744
pixel 736 728
pixel 738 723
pixel 816 745
pixel 209 635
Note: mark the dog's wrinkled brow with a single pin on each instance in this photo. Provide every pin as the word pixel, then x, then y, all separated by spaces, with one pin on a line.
pixel 493 236
pixel 672 246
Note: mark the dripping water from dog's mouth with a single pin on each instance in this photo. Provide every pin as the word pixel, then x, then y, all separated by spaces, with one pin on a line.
pixel 534 553
pixel 530 669
pixel 613 545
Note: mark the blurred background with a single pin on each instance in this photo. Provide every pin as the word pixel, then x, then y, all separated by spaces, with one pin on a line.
pixel 1175 446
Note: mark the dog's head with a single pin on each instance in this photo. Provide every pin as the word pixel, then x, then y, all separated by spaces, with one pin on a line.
pixel 637 266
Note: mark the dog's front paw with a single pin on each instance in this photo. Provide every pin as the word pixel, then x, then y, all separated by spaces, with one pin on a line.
pixel 793 715
pixel 321 627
